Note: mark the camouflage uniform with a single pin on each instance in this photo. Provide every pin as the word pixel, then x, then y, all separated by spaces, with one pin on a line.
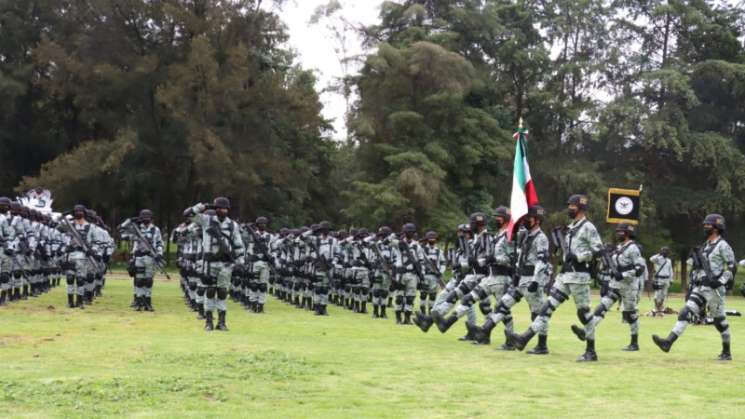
pixel 663 276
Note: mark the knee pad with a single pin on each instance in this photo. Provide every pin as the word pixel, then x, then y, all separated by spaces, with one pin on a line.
pixel 558 295
pixel 515 293
pixel 201 291
pixel 533 316
pixel 192 286
pixel 423 296
pixel 485 307
pixel 600 310
pixel 70 280
pixel 582 314
pixel 452 297
pixel 684 314
pixel 222 293
pixel 383 294
pixel 147 282
pixel 399 299
pixel 90 278
pixel 614 294
pixel 547 309
pixel 721 324
pixel 210 292
pixel 481 293
pixel 433 296
pixel 4 278
pixel 262 287
pixel 630 316
pixel 410 301
pixel 463 288
pixel 698 299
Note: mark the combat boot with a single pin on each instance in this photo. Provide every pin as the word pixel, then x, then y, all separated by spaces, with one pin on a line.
pixel 200 312
pixel 423 322
pixel 363 309
pixel 507 345
pixel 140 304
pixel 221 320
pixel 134 301
pixel 70 301
pixel 16 294
pixel 208 326
pixel 541 348
pixel 357 307
pixel 590 355
pixel 398 317
pixel 382 313
pixel 375 312
pixel 665 344
pixel 259 308
pixel 726 355
pixel 407 317
pixel 79 302
pixel 24 295
pixel 634 345
pixel 149 304
pixel 520 341
pixel 444 324
pixel 481 335
pixel 390 301
pixel 579 332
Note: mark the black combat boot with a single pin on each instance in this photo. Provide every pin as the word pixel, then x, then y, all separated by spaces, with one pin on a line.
pixel 590 355
pixel 398 317
pixel 390 301
pixel 3 294
pixel 520 341
pixel 16 294
pixel 444 324
pixel 221 320
pixel 363 309
pixel 200 312
pixel 71 300
pixel 579 332
pixel 507 345
pixel 665 344
pixel 407 317
pixel 634 345
pixel 149 304
pixel 541 348
pixel 324 310
pixel 357 308
pixel 208 326
pixel 375 314
pixel 140 304
pixel 382 313
pixel 726 355
pixel 481 335
pixel 309 304
pixel 79 302
pixel 24 296
pixel 259 308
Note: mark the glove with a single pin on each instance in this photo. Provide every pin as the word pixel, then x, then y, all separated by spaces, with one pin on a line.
pixel 618 276
pixel 8 252
pixel 473 262
pixel 533 286
pixel 571 258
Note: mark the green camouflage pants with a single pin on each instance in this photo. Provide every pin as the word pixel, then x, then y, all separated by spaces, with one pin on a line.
pixel 560 292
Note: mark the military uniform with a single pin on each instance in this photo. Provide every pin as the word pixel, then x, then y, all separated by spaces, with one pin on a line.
pixel 663 276
pixel 7 253
pixel 409 256
pixel 383 260
pixel 434 269
pixel 80 250
pixel 143 259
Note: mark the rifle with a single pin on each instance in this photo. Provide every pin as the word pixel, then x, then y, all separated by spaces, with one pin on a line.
pixel 383 261
pixel 263 248
pixel 159 262
pixel 79 241
pixel 308 239
pixel 700 261
pixel 225 247
pixel 608 263
pixel 413 260
pixel 436 272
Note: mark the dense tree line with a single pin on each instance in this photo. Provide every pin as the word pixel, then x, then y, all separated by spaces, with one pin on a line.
pixel 125 104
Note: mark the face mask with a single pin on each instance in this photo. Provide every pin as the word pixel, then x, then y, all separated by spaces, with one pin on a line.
pixel 572 213
pixel 79 216
pixel 499 223
pixel 708 231
pixel 620 237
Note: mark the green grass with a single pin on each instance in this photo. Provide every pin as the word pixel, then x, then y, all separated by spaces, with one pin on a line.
pixel 108 361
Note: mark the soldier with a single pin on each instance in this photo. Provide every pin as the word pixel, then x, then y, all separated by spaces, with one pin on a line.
pixel 260 255
pixel 534 271
pixel 627 270
pixel 383 253
pixel 7 238
pixel 663 276
pixel 434 268
pixel 714 270
pixel 147 251
pixel 322 254
pixel 582 244
pixel 409 258
pixel 499 258
pixel 80 249
pixel 223 252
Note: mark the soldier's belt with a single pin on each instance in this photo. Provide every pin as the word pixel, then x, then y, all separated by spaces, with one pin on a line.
pixel 662 276
pixel 217 258
pixel 141 254
pixel 575 267
pixel 528 270
pixel 501 270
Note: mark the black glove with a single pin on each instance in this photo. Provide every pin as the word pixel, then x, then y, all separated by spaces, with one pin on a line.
pixel 8 252
pixel 571 258
pixel 533 286
pixel 473 262
pixel 618 276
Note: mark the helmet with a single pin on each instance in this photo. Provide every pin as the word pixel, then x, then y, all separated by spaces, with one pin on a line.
pixel 665 251
pixel 4 201
pixel 283 231
pixel 146 214
pixel 91 214
pixel 384 231
pixel 580 201
pixel 342 234
pixel 629 229
pixel 222 202
pixel 503 212
pixel 315 227
pixel 716 221
pixel 431 235
pixel 409 228
pixel 78 207
pixel 537 211
pixel 362 232
pixel 324 225
pixel 477 218
pixel 262 220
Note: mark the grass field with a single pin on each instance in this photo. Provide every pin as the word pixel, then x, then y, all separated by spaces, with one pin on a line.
pixel 108 361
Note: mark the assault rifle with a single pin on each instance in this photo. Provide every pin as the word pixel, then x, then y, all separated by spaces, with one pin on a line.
pixel 414 261
pixel 79 241
pixel 131 223
pixel 308 239
pixel 700 261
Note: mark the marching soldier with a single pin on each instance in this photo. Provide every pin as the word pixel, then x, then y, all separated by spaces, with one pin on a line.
pixel 533 271
pixel 323 252
pixel 663 276
pixel 409 259
pixel 223 252
pixel 582 244
pixel 383 255
pixel 433 271
pixel 627 270
pixel 714 273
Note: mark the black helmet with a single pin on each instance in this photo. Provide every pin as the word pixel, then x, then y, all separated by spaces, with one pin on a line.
pixel 146 214
pixel 409 228
pixel 353 232
pixel 4 202
pixel 464 227
pixel 283 231
pixel 580 201
pixel 315 228
pixel 78 208
pixel 537 211
pixel 342 234
pixel 716 221
pixel 665 251
pixel 222 202
pixel 502 212
pixel 431 235
pixel 262 220
pixel 477 218
pixel 384 231
pixel 362 233
pixel 629 229
pixel 324 225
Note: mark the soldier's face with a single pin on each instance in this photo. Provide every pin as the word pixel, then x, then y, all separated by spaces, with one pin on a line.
pixel 222 213
pixel 572 211
pixel 79 215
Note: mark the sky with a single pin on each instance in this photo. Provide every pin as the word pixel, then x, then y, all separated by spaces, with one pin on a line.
pixel 315 45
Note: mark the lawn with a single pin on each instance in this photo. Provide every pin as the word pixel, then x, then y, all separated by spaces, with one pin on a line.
pixel 108 361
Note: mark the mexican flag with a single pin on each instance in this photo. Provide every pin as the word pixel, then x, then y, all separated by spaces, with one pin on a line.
pixel 523 190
